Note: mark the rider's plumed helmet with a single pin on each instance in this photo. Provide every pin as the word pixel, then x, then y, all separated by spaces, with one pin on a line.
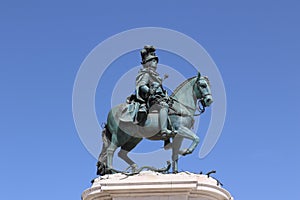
pixel 148 53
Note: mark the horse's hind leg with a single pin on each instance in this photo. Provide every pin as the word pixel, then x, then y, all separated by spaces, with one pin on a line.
pixel 123 154
pixel 127 147
pixel 102 159
pixel 110 151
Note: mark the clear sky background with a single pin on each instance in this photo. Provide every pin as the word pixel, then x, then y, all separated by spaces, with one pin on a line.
pixel 255 45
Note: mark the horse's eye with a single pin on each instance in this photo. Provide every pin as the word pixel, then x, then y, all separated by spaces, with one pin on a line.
pixel 203 85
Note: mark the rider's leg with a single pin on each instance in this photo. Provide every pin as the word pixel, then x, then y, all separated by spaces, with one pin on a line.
pixel 163 118
pixel 141 115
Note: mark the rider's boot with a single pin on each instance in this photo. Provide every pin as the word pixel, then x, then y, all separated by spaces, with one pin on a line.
pixel 163 119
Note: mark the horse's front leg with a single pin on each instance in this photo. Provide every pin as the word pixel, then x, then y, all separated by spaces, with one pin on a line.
pixel 175 151
pixel 188 134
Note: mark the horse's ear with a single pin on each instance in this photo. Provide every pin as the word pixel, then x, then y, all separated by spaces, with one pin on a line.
pixel 199 75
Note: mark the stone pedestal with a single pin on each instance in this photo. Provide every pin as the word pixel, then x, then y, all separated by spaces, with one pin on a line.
pixel 156 186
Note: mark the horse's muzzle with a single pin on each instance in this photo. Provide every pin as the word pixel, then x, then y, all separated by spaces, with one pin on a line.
pixel 208 100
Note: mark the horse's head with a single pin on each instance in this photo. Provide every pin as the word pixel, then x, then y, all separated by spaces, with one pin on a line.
pixel 202 90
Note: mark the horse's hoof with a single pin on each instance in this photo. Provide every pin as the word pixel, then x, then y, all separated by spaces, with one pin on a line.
pixel 185 152
pixel 188 152
pixel 101 169
pixel 134 168
pixel 108 171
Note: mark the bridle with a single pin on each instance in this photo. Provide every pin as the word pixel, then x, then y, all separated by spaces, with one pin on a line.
pixel 200 108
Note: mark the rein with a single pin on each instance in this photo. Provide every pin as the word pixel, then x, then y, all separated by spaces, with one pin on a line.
pixel 201 110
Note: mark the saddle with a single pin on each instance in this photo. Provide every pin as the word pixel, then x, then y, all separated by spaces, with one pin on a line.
pixel 130 113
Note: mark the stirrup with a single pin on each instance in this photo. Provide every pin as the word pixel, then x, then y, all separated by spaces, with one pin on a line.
pixel 166 133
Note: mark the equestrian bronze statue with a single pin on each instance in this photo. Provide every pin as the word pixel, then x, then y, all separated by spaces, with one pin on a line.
pixel 150 113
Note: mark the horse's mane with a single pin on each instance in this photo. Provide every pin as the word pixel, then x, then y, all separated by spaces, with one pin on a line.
pixel 181 86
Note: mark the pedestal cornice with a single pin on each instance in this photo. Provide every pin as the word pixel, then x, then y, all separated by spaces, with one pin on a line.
pixel 153 185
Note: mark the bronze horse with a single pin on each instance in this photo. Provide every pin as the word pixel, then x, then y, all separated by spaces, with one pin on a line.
pixel 186 101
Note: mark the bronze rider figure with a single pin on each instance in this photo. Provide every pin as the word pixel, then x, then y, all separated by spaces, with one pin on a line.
pixel 149 90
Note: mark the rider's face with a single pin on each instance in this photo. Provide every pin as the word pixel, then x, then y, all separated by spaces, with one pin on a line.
pixel 151 64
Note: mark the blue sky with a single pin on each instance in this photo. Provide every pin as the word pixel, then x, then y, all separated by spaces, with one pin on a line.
pixel 255 45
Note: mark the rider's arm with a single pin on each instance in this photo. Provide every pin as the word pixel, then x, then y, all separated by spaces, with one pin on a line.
pixel 142 88
pixel 144 92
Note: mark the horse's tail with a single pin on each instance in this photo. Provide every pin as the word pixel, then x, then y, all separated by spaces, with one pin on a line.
pixel 102 160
